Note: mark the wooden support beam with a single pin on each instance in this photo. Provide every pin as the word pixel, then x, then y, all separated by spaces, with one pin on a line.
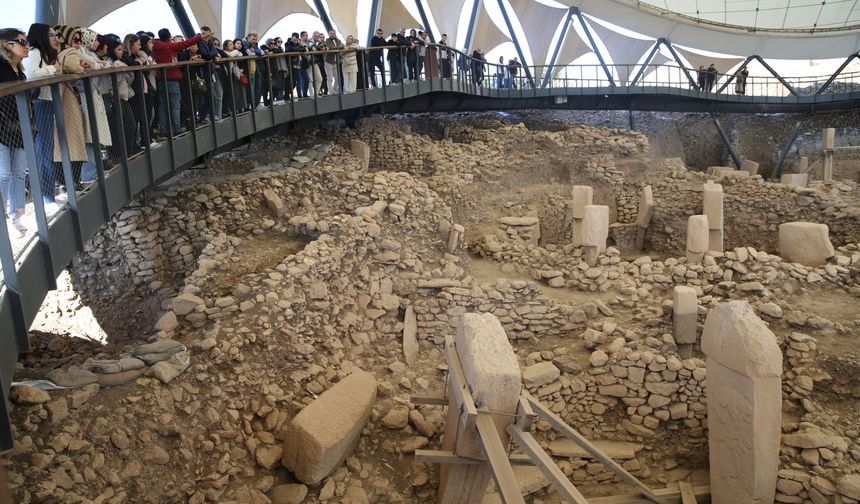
pixel 669 496
pixel 459 387
pixel 494 450
pixel 688 496
pixel 429 400
pixel 525 415
pixel 583 443
pixel 449 457
pixel 547 466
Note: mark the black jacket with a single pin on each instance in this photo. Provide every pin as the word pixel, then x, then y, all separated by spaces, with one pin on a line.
pixel 377 42
pixel 10 126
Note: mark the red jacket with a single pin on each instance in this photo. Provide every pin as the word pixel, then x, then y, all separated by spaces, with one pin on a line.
pixel 165 52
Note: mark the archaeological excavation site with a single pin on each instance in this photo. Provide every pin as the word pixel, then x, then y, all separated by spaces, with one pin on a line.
pixel 539 306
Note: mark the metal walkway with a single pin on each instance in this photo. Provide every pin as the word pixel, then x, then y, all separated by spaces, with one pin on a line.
pixel 30 274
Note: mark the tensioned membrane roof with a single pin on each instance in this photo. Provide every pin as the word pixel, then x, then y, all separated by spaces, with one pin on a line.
pixel 803 15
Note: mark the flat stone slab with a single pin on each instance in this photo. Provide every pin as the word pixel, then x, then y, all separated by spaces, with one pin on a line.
pixel 807 243
pixel 326 431
pixel 540 374
pixel 616 450
pixel 519 221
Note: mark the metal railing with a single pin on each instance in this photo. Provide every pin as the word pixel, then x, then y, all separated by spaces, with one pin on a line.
pixel 76 148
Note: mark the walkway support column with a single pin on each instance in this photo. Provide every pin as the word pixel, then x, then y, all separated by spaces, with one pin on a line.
pixel 375 8
pixel 48 12
pixel 188 30
pixel 324 16
pixel 241 18
pixel 425 21
pixel 473 21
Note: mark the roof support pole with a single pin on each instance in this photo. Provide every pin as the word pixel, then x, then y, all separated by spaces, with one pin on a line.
pixel 375 9
pixel 668 44
pixel 473 22
pixel 778 77
pixel 182 18
pixel 777 170
pixel 323 15
pixel 516 41
pixel 837 72
pixel 547 75
pixel 578 14
pixel 426 22
pixel 726 142
pixel 48 12
pixel 645 64
pixel 241 18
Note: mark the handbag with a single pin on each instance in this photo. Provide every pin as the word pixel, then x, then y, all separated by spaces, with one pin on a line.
pixel 200 85
pixel 243 80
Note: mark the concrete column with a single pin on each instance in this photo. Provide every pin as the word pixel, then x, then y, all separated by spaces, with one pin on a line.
pixel 712 207
pixel 684 319
pixel 744 393
pixel 643 219
pixel 827 142
pixel 582 197
pixel 697 238
pixel 491 370
pixel 595 230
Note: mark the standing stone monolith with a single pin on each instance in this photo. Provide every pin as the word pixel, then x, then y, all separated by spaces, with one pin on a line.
pixel 643 219
pixel 712 206
pixel 582 197
pixel 828 140
pixel 595 230
pixel 455 238
pixel 744 393
pixel 697 238
pixel 684 318
pixel 807 243
pixel 360 150
pixel 492 373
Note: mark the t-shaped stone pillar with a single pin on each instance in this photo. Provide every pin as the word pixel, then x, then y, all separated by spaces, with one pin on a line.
pixel 646 210
pixel 492 373
pixel 713 207
pixel 744 393
pixel 595 230
pixel 582 197
pixel 697 238
pixel 684 318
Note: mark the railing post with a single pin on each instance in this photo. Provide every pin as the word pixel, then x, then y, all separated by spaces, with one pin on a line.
pixel 65 155
pixel 192 110
pixel 145 120
pixel 167 114
pixel 210 75
pixel 123 148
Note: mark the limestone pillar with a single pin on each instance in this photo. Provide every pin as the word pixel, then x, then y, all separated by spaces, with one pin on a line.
pixel 744 394
pixel 827 142
pixel 795 179
pixel 360 150
pixel 749 166
pixel 804 165
pixel 697 238
pixel 643 219
pixel 595 230
pixel 582 197
pixel 807 243
pixel 713 208
pixel 684 319
pixel 493 375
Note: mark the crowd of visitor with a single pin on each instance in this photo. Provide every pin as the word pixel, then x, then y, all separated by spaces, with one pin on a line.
pixel 134 109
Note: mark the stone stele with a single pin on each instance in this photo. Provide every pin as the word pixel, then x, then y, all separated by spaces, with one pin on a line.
pixel 744 393
pixel 326 431
pixel 806 243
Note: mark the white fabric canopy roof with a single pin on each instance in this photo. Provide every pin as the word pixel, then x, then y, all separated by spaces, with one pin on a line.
pixel 344 13
pixel 208 13
pixel 721 39
pixel 723 65
pixel 264 14
pixel 87 12
pixel 446 13
pixel 623 50
pixel 487 34
pixel 393 16
pixel 539 22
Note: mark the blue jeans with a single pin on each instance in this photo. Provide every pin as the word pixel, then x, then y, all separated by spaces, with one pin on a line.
pixel 13 172
pixel 174 98
pixel 44 112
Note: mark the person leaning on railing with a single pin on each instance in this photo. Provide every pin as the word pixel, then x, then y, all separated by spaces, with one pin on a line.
pixel 75 129
pixel 42 62
pixel 13 160
pixel 332 70
pixel 151 88
pixel 395 58
pixel 350 64
pixel 127 124
pixel 374 58
pixel 165 51
pixel 446 57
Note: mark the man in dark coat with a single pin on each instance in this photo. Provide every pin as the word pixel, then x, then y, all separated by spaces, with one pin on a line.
pixel 375 58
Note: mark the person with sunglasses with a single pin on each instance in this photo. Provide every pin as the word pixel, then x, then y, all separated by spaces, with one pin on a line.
pixel 77 130
pixel 374 61
pixel 13 161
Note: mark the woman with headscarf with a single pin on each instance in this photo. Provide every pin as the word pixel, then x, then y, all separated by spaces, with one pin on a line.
pixel 42 62
pixel 13 160
pixel 75 126
pixel 92 50
pixel 239 90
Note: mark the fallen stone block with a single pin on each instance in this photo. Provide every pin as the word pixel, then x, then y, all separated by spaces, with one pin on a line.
pixel 326 431
pixel 806 243
pixel 646 207
pixel 616 450
pixel 274 203
pixel 540 374
pixel 749 166
pixel 185 303
pixel 519 221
